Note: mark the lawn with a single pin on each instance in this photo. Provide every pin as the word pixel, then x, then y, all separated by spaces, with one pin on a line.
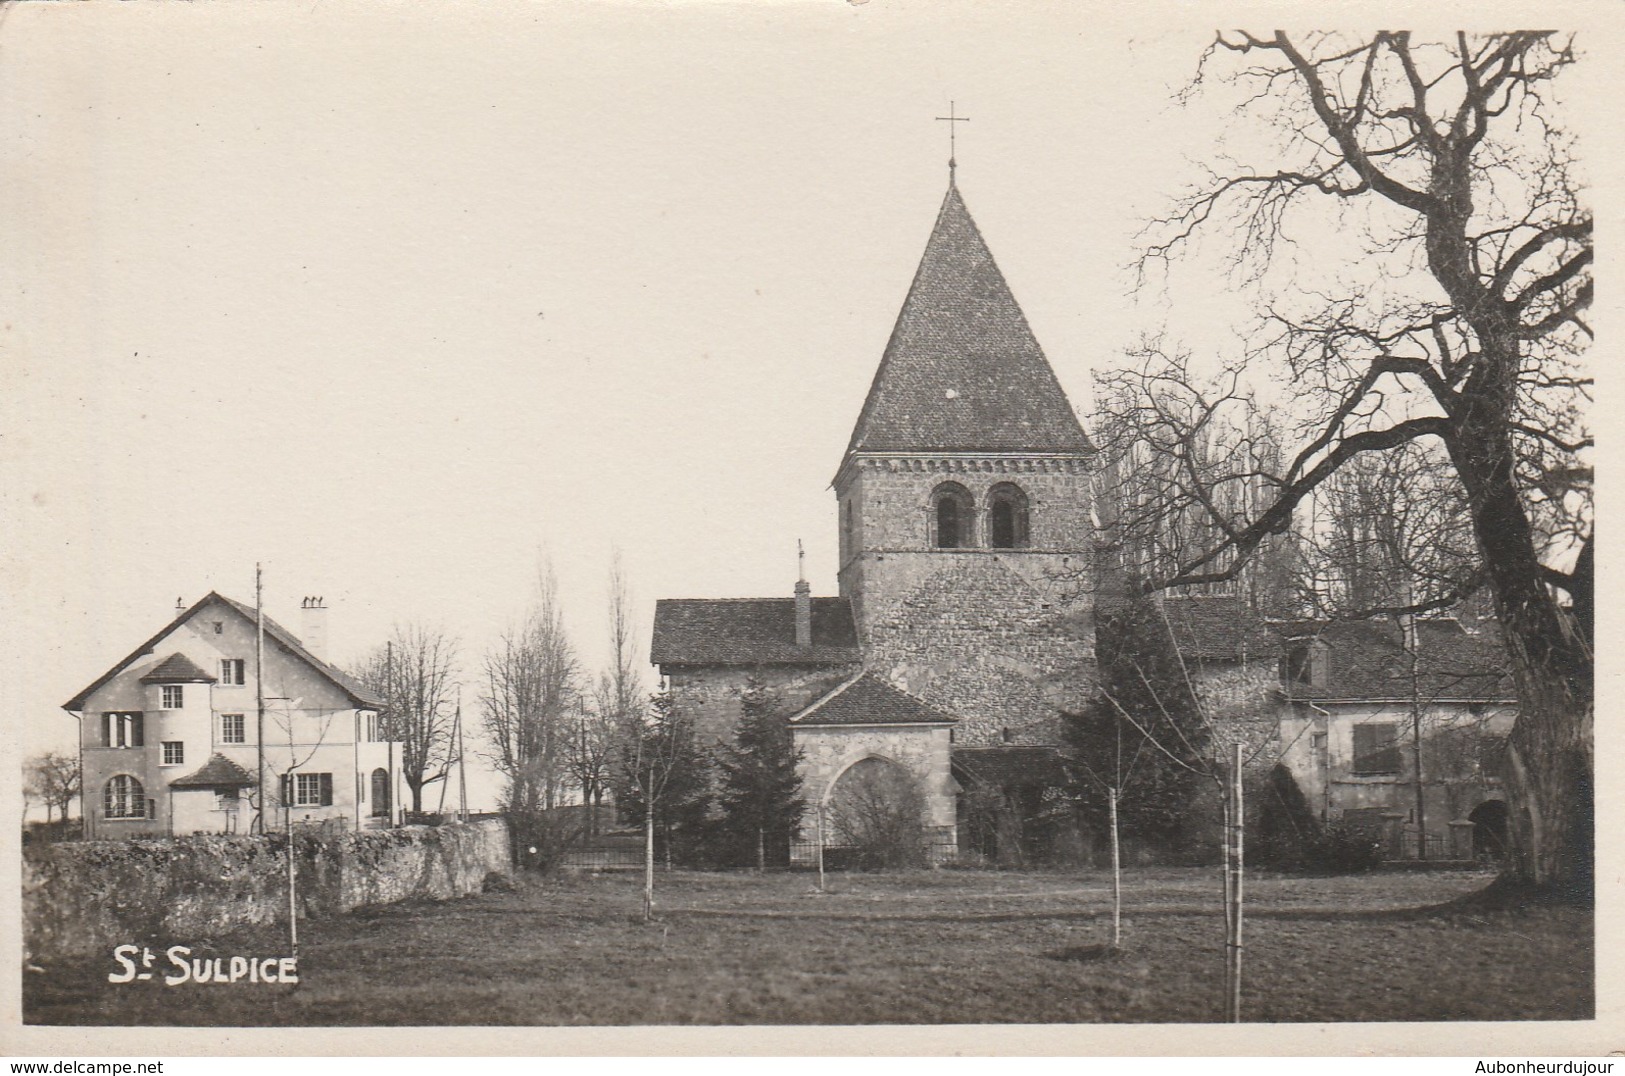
pixel 927 947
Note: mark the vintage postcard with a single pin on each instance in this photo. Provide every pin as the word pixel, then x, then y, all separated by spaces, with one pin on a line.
pixel 804 528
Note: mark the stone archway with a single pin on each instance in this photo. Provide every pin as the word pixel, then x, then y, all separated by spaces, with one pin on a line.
pixel 831 754
pixel 875 813
pixel 1489 821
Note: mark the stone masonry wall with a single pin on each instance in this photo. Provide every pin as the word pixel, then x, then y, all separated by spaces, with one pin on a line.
pixel 977 639
pixel 83 898
pixel 709 695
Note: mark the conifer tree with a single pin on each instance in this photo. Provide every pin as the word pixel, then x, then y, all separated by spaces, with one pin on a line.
pixel 761 786
pixel 1143 732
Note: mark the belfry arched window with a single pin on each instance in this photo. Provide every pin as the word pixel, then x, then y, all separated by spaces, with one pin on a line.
pixel 1007 517
pixel 952 516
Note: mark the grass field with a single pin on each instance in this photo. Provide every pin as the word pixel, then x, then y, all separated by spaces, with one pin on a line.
pixel 927 947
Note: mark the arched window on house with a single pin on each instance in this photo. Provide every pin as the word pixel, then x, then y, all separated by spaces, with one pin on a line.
pixel 123 797
pixel 1007 517
pixel 380 793
pixel 952 516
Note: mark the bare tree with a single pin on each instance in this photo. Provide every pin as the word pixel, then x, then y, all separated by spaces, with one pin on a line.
pixel 415 673
pixel 55 778
pixel 530 693
pixel 617 698
pixel 1453 186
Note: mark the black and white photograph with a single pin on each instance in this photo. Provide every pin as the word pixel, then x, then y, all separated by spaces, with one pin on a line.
pixel 826 515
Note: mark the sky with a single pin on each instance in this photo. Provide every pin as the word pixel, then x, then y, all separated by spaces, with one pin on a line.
pixel 399 301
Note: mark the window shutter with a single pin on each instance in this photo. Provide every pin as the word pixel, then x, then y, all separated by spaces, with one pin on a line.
pixel 152 808
pixel 327 789
pixel 107 730
pixel 137 731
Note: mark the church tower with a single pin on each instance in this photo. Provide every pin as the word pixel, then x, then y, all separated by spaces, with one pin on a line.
pixel 966 541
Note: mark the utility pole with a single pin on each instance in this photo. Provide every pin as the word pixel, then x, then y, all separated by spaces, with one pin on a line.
pixel 462 774
pixel 389 722
pixel 1411 640
pixel 259 695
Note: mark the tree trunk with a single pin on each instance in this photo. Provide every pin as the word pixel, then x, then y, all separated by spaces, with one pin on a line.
pixel 1548 763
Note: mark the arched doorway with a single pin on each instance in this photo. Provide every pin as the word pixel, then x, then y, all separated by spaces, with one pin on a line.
pixel 876 816
pixel 1489 821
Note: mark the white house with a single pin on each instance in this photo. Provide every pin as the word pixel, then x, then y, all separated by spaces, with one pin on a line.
pixel 1353 704
pixel 171 737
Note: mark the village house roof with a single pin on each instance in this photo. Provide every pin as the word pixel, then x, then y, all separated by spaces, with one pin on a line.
pixel 962 370
pixel 868 700
pixel 362 697
pixel 218 772
pixel 178 669
pixel 751 631
pixel 1366 660
pixel 1010 766
pixel 1220 627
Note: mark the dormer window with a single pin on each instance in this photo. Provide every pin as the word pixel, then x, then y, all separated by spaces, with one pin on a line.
pixel 951 516
pixel 1306 664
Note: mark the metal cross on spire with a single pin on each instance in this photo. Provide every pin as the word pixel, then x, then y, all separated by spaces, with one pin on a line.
pixel 952 118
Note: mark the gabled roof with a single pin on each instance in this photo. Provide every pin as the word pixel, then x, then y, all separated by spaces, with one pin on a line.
pixel 361 696
pixel 962 370
pixel 1220 627
pixel 868 700
pixel 1366 660
pixel 218 772
pixel 1010 766
pixel 751 631
pixel 178 669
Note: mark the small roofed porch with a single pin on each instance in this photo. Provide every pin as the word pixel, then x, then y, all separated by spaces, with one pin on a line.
pixel 875 776
pixel 212 800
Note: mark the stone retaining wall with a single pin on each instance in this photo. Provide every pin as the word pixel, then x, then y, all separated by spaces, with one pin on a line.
pixel 83 898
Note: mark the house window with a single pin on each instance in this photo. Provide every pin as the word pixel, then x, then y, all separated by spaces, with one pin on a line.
pixel 380 793
pixel 308 789
pixel 951 508
pixel 1376 749
pixel 1007 517
pixel 231 729
pixel 174 753
pixel 123 797
pixel 172 696
pixel 219 627
pixel 227 799
pixel 123 729
pixel 231 672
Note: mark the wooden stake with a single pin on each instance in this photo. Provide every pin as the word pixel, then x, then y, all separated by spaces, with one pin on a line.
pixel 1117 875
pixel 1238 824
pixel 820 847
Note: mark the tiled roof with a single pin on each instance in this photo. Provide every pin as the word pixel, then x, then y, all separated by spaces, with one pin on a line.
pixel 1366 660
pixel 751 631
pixel 868 700
pixel 962 370
pixel 361 696
pixel 1219 627
pixel 1010 766
pixel 219 772
pixel 178 669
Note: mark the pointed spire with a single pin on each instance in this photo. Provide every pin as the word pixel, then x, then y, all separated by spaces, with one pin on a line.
pixel 962 370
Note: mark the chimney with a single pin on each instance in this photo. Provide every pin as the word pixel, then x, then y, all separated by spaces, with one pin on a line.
pixel 803 602
pixel 313 626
